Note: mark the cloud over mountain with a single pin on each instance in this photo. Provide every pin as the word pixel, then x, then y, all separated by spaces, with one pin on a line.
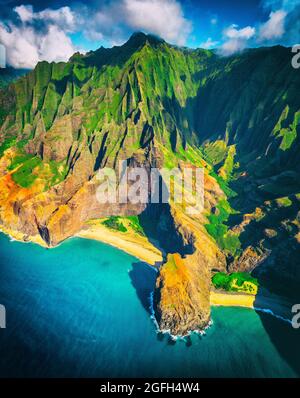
pixel 236 39
pixel 32 30
pixel 35 36
pixel 31 36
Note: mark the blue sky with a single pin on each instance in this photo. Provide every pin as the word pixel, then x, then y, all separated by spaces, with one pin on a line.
pixel 53 30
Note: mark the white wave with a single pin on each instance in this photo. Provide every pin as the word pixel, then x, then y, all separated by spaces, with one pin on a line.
pixel 270 312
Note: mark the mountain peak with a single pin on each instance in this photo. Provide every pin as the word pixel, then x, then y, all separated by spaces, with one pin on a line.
pixel 140 38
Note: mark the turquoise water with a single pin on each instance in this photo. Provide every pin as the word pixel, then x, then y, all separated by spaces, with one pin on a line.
pixel 81 310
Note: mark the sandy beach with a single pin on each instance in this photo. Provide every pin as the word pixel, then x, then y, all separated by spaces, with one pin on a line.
pixel 263 301
pixel 130 242
pixel 231 300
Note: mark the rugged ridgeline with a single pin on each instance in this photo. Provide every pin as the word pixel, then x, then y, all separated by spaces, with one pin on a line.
pixel 157 105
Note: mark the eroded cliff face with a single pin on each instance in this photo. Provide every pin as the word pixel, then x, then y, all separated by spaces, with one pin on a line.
pixel 58 213
pixel 182 294
pixel 153 105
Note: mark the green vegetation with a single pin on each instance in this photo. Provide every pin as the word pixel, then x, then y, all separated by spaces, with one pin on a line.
pixel 217 228
pixel 149 99
pixel 284 202
pixel 18 160
pixel 123 224
pixel 215 152
pixel 226 171
pixel 236 282
pixel 114 223
pixel 58 171
pixel 9 75
pixel 8 143
pixel 221 157
pixel 51 102
pixel 287 134
pixel 25 175
pixel 134 223
pixel 28 168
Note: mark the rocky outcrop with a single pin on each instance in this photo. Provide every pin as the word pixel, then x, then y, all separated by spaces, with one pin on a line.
pixel 182 294
pixel 249 260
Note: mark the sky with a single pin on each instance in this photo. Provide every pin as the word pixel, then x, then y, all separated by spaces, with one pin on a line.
pixel 35 30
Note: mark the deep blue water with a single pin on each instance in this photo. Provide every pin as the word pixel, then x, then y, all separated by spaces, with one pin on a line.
pixel 81 310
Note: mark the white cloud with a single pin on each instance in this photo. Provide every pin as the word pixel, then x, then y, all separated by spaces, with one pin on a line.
pixel 20 46
pixel 287 5
pixel 99 24
pixel 44 35
pixel 236 39
pixel 274 27
pixel 55 45
pixel 233 46
pixel 208 44
pixel 234 33
pixel 26 45
pixel 25 13
pixel 62 17
pixel 162 17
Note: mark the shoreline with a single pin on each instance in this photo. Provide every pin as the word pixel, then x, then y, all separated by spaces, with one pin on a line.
pixel 139 246
pixel 224 299
pixel 264 301
pixel 129 242
pixel 20 237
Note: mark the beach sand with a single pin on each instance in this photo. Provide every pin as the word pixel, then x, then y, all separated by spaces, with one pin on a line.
pixel 232 300
pixel 130 242
pixel 264 301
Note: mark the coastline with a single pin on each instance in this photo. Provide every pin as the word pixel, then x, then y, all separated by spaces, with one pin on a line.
pixel 20 237
pixel 264 301
pixel 223 299
pixel 129 242
pixel 140 247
